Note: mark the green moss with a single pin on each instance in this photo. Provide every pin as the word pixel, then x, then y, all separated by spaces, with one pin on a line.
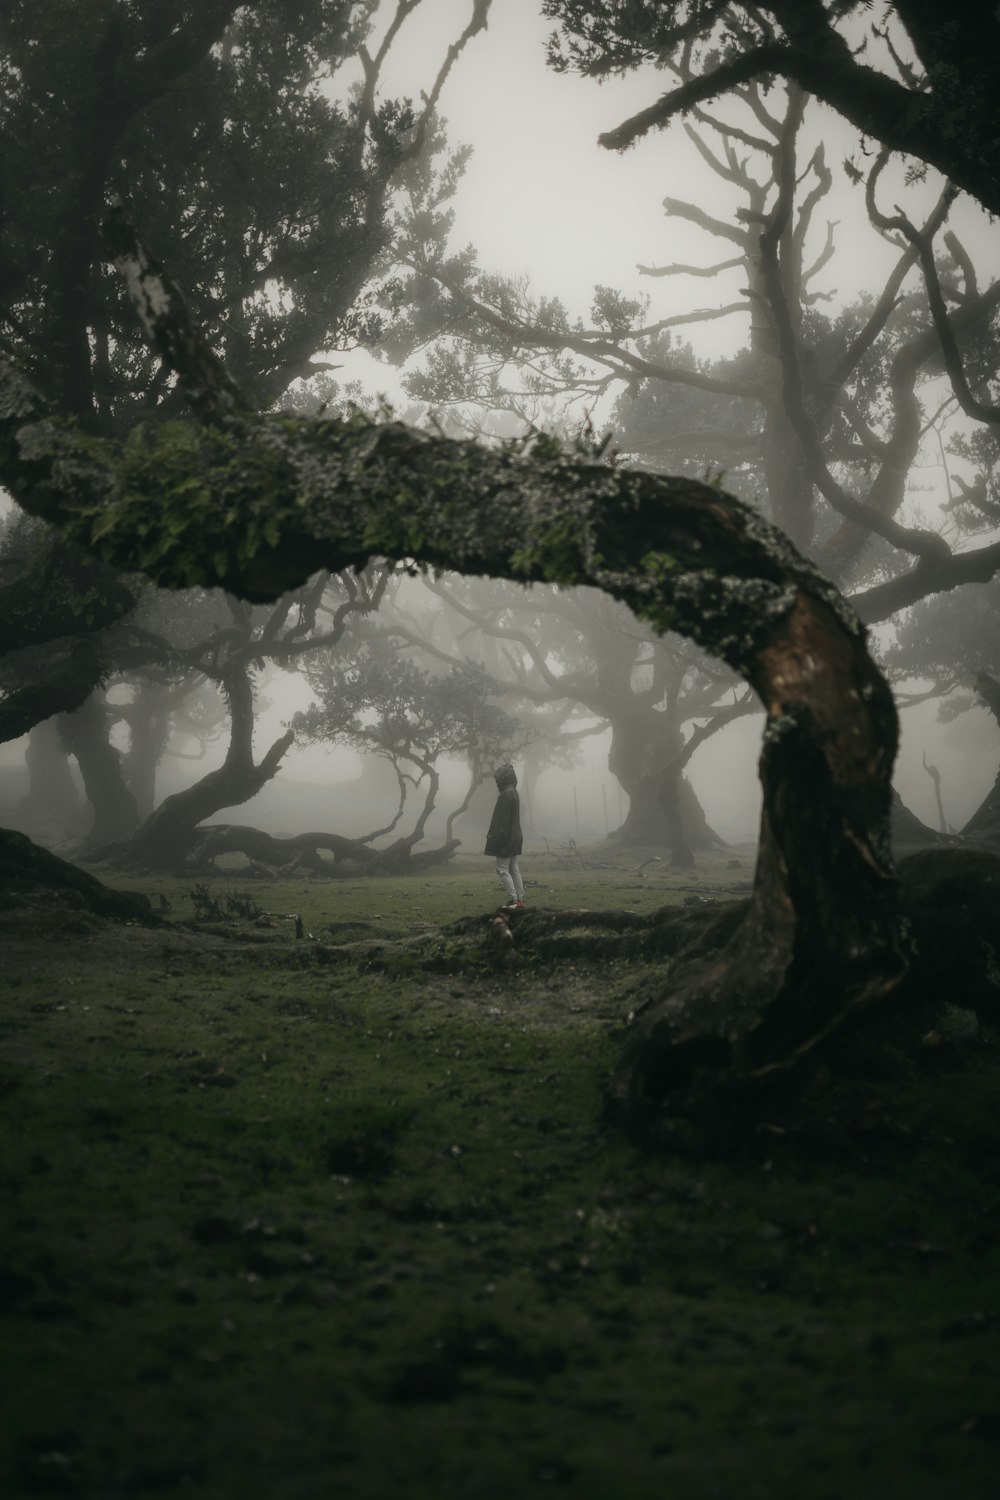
pixel 555 553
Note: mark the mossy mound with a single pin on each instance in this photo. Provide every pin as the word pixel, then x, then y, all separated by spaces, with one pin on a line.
pixel 32 879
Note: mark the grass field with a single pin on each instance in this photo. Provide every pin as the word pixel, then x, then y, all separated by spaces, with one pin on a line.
pixel 284 1218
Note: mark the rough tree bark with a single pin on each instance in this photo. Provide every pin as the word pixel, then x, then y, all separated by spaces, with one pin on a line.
pixel 301 852
pixel 821 937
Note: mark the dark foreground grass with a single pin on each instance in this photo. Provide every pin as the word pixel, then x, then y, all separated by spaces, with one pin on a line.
pixel 282 1227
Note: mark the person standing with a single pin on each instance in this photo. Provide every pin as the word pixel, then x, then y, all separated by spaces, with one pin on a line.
pixel 504 839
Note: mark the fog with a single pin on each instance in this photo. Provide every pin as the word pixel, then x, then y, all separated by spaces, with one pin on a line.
pixel 336 788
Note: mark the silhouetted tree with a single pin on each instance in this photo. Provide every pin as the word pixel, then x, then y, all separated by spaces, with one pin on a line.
pixel 924 82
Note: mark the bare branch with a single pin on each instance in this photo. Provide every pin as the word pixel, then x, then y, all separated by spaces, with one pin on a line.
pixel 726 169
pixel 883 308
pixel 825 255
pixel 679 270
pixel 929 576
pixel 945 331
pixel 731 133
pixel 477 23
pixel 770 58
pixel 747 703
pixel 907 73
pixel 751 93
pixel 695 215
pixel 597 346
pixel 372 65
pixel 819 190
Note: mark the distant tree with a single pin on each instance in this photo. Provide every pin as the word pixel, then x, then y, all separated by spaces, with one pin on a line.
pixel 232 642
pixel 954 642
pixel 578 649
pixel 164 651
pixel 165 705
pixel 385 705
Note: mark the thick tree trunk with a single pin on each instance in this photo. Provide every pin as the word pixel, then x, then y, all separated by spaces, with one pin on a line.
pixel 149 730
pixel 650 820
pixel 52 798
pixel 85 735
pixel 642 750
pixel 822 936
pixel 681 853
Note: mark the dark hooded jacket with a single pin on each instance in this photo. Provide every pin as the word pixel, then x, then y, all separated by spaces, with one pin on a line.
pixel 504 837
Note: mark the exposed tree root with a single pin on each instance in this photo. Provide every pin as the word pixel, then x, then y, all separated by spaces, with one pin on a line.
pixel 274 858
pixel 301 853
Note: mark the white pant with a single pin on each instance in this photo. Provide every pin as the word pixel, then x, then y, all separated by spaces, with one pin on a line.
pixel 510 877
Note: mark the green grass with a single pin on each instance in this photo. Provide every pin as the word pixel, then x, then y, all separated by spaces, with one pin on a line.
pixel 282 1227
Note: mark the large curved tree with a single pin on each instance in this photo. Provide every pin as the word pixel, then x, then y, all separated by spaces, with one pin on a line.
pixel 255 503
pixel 821 936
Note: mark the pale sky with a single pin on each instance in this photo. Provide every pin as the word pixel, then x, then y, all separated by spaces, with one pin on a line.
pixel 539 196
